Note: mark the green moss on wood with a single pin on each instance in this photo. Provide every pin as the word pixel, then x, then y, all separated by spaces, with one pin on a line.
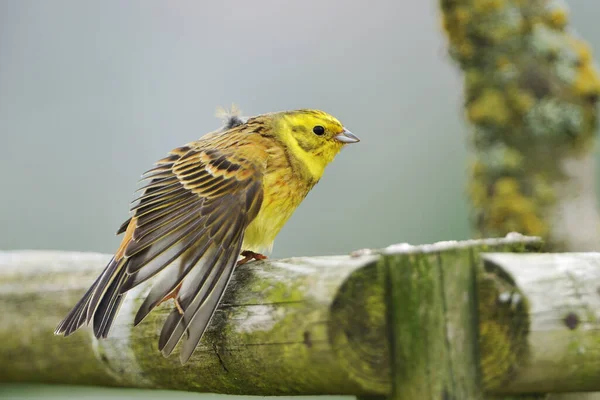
pixel 563 345
pixel 358 318
pixel 300 326
pixel 504 322
pixel 421 367
pixel 37 349
pixel 271 335
pixel 432 297
pixel 503 328
pixel 31 303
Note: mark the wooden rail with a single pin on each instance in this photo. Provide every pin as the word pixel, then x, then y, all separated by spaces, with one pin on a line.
pixel 454 319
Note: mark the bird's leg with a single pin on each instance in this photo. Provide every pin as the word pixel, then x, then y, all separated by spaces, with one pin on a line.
pixel 173 295
pixel 249 256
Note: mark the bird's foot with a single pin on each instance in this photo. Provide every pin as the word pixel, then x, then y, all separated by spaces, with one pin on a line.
pixel 173 295
pixel 178 306
pixel 249 256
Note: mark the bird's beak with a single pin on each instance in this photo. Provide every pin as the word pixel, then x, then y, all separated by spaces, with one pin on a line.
pixel 346 137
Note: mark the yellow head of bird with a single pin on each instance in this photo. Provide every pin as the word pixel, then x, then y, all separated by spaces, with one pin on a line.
pixel 317 134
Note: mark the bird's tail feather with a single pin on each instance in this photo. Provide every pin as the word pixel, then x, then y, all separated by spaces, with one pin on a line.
pixel 103 299
pixel 107 309
pixel 100 303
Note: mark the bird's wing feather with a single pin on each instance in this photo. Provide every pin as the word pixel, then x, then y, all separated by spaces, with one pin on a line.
pixel 187 227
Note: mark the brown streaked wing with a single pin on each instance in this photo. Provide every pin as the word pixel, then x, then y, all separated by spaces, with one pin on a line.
pixel 187 226
pixel 195 245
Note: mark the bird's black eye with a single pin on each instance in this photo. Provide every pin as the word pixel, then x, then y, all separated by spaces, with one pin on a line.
pixel 318 130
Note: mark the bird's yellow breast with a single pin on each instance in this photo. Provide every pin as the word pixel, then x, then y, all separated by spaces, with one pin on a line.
pixel 283 191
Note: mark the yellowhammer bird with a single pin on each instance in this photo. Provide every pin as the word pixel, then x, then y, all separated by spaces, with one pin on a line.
pixel 226 194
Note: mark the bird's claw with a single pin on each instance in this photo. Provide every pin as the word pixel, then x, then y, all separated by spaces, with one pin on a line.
pixel 249 256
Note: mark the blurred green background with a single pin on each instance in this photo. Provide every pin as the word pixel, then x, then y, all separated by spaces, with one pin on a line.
pixel 92 93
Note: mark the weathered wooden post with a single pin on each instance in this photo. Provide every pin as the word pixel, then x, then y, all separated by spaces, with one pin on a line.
pixel 431 300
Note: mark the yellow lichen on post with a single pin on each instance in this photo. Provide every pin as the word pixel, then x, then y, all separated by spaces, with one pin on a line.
pixel 531 90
